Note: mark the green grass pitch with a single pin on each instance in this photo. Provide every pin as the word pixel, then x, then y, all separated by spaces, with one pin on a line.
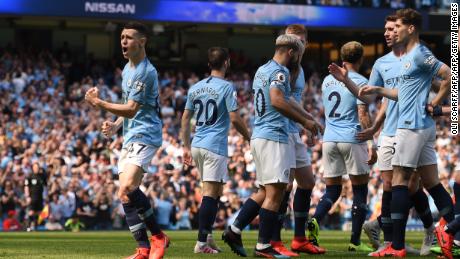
pixel 118 244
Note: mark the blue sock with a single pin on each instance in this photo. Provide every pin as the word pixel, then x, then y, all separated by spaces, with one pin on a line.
pixel 399 214
pixel 247 214
pixel 206 217
pixel 268 219
pixel 443 202
pixel 329 198
pixel 358 212
pixel 301 207
pixel 387 223
pixel 281 215
pixel 144 210
pixel 136 225
pixel 420 201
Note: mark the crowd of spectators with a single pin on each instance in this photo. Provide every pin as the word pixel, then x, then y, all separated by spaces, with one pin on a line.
pixel 394 4
pixel 45 123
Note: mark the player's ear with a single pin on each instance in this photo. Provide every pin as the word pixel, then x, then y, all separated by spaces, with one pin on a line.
pixel 143 41
pixel 411 29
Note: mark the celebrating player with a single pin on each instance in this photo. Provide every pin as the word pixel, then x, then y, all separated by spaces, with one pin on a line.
pixel 142 138
pixel 416 130
pixel 269 146
pixel 342 153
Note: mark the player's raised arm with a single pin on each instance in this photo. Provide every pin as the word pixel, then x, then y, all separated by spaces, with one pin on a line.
pixel 127 110
pixel 377 90
pixel 341 74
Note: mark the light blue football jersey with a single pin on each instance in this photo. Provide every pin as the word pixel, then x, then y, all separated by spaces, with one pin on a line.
pixel 211 100
pixel 269 123
pixel 385 72
pixel 341 110
pixel 296 92
pixel 418 67
pixel 140 84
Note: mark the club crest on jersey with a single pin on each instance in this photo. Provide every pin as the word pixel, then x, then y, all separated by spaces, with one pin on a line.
pixel 281 77
pixel 129 83
pixel 407 66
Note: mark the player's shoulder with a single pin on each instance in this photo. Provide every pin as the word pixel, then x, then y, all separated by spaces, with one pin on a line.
pixel 150 68
pixel 389 57
pixel 328 78
pixel 357 77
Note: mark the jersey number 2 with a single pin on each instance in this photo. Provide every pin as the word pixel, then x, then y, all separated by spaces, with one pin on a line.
pixel 333 114
pixel 209 119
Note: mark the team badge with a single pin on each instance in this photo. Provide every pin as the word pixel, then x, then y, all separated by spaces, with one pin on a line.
pixel 129 83
pixel 407 65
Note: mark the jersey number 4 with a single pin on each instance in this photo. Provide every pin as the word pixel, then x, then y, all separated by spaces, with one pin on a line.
pixel 338 98
pixel 210 119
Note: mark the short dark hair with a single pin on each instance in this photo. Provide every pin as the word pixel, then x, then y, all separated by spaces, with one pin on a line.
pixel 217 57
pixel 351 52
pixel 391 18
pixel 141 28
pixel 410 17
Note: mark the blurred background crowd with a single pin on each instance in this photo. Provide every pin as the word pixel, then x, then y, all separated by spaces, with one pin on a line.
pixel 48 132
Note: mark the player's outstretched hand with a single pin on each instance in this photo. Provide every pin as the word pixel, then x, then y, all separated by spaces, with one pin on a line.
pixel 338 72
pixel 367 90
pixel 434 110
pixel 187 157
pixel 372 156
pixel 366 134
pixel 91 95
pixel 108 128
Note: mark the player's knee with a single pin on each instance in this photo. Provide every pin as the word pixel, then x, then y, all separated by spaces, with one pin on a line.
pixel 413 186
pixel 124 191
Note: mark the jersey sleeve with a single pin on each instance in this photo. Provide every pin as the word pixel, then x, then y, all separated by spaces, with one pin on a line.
pixel 376 78
pixel 139 86
pixel 427 61
pixel 231 99
pixel 279 79
pixel 189 103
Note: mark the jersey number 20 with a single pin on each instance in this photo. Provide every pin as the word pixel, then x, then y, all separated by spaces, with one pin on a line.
pixel 209 119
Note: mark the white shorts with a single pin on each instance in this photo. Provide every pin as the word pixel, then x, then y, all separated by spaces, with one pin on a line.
pixel 272 161
pixel 301 158
pixel 137 154
pixel 212 166
pixel 415 148
pixel 385 153
pixel 344 158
